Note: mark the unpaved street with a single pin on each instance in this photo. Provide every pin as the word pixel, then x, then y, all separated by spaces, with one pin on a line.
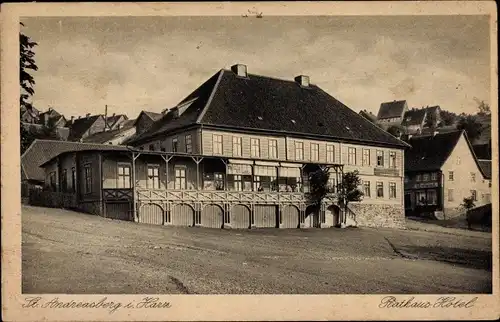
pixel 69 252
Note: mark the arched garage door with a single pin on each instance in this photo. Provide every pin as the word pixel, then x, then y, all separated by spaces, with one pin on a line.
pixel 151 214
pixel 212 216
pixel 240 217
pixel 332 215
pixel 182 215
pixel 265 216
pixel 289 217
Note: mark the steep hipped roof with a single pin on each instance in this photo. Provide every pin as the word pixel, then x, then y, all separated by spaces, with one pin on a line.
pixel 391 109
pixel 267 104
pixel 41 151
pixel 430 152
pixel 482 151
pixel 485 167
pixel 81 125
pixel 414 117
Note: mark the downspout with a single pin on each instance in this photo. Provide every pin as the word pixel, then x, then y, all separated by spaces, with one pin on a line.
pixel 442 194
pixel 101 186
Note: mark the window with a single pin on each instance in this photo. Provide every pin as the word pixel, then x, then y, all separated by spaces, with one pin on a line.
pixel 227 217
pixel 351 156
pixel 450 175
pixel 473 194
pixel 189 144
pixel 180 178
pixel 299 151
pixel 421 198
pixel 217 144
pixel 153 181
pixel 273 149
pixel 175 145
pixel 330 154
pixel 366 157
pixel 406 179
pixel 88 178
pixel 314 152
pixel 237 182
pixel 64 180
pixel 431 197
pixel 331 184
pixel 392 190
pixel 219 181
pixel 256 184
pixel 151 147
pixel 450 195
pixel 73 179
pixel 380 190
pixel 302 217
pixel 392 160
pixel 458 160
pixel 473 177
pixel 123 176
pixel 366 189
pixel 425 177
pixel 237 147
pixel 255 148
pixel 434 176
pixel 419 177
pixel 53 185
pixel 380 158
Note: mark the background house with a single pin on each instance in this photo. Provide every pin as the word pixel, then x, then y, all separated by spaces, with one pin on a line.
pixel 440 171
pixel 83 127
pixel 119 135
pixel 391 113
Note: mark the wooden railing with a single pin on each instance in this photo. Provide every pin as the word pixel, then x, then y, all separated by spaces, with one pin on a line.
pixel 117 194
pixel 223 196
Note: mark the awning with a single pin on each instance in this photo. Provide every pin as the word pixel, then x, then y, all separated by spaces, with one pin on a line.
pixel 291 165
pixel 289 172
pixel 260 170
pixel 236 161
pixel 267 164
pixel 241 169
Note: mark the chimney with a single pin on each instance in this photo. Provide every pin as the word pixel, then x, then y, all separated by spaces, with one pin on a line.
pixel 114 114
pixel 435 132
pixel 409 136
pixel 72 119
pixel 302 80
pixel 50 109
pixel 79 116
pixel 240 70
pixel 87 115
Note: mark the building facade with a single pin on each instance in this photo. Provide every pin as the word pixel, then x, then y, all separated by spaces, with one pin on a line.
pixel 442 170
pixel 238 152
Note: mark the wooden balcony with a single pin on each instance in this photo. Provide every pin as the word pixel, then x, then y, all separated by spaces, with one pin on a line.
pixel 217 196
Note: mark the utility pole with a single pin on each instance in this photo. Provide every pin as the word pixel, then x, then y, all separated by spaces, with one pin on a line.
pixel 105 118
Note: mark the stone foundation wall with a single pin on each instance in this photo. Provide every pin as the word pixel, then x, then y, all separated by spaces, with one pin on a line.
pixel 372 215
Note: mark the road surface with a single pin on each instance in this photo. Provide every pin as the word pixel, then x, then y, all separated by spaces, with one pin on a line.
pixel 70 252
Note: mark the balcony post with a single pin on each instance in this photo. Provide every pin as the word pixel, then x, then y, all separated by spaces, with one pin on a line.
pixel 167 159
pixel 197 160
pixel 225 175
pixel 134 186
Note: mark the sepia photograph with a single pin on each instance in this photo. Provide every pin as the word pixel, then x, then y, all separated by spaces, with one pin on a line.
pixel 257 154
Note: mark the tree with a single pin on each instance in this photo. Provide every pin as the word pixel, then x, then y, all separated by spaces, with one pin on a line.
pixel 471 125
pixel 483 107
pixel 396 130
pixel 447 118
pixel 348 189
pixel 318 182
pixel 27 62
pixel 27 83
pixel 468 203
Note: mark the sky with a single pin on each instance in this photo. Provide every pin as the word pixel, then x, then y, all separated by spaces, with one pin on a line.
pixel 152 63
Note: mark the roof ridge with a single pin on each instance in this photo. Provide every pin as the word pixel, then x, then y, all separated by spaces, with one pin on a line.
pixel 212 94
pixel 271 77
